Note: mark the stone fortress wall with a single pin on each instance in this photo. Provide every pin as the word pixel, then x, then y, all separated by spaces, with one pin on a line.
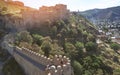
pixel 28 18
pixel 45 15
pixel 36 64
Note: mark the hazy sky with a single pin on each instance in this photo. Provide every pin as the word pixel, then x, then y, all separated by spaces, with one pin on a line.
pixel 73 4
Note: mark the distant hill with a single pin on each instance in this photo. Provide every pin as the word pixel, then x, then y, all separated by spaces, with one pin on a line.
pixel 108 16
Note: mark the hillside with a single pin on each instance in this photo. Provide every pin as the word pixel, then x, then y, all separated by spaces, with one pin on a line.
pixel 104 17
pixel 50 33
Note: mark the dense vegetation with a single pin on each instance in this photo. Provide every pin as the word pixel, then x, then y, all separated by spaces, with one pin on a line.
pixel 74 37
pixel 115 46
pixel 75 40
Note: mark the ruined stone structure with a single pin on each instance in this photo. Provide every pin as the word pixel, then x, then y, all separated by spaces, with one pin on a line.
pixel 32 62
pixel 36 64
pixel 15 2
pixel 29 18
pixel 45 15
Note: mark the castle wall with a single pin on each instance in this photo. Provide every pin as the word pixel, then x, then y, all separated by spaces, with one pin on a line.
pixel 28 67
pixel 36 64
pixel 29 18
pixel 45 14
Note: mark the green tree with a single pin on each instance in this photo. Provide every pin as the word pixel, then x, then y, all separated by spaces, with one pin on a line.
pixel 46 46
pixel 90 37
pixel 35 48
pixel 90 46
pixel 37 39
pixel 56 49
pixel 24 36
pixel 70 50
pixel 25 44
pixel 54 31
pixel 79 47
pixel 84 36
pixel 91 64
pixel 115 46
pixel 77 68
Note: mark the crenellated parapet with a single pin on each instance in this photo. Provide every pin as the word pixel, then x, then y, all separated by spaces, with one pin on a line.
pixel 36 56
pixel 59 65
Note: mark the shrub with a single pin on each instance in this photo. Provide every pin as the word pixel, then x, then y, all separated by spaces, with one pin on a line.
pixel 26 45
pixel 79 47
pixel 90 46
pixel 37 39
pixel 46 47
pixel 56 50
pixel 116 72
pixel 70 50
pixel 24 36
pixel 115 46
pixel 77 68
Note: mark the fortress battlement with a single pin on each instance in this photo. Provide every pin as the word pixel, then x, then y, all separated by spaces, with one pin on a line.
pixel 59 65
